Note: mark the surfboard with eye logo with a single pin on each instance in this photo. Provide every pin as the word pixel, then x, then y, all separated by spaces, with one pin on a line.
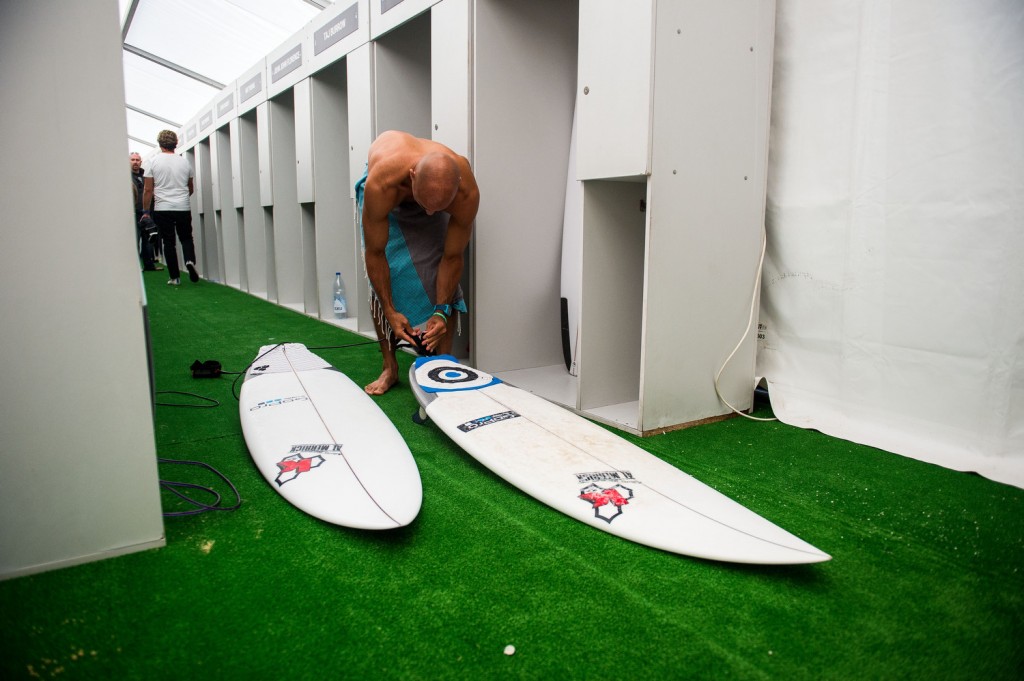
pixel 591 474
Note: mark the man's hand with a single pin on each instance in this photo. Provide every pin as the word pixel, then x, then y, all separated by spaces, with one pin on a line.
pixel 400 326
pixel 435 332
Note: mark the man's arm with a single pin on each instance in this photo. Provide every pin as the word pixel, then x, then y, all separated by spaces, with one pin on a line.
pixel 460 228
pixel 377 204
pixel 147 193
pixel 449 271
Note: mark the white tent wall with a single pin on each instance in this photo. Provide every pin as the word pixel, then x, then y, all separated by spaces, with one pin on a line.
pixel 78 467
pixel 892 303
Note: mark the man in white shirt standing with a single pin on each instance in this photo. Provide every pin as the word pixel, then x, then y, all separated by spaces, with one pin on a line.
pixel 169 182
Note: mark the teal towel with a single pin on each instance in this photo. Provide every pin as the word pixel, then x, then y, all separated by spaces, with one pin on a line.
pixel 414 250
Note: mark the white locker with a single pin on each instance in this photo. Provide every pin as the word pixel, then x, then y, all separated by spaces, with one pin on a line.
pixel 614 89
pixel 214 170
pixel 287 214
pixel 337 31
pixel 236 163
pixel 287 65
pixel 361 132
pixel 386 15
pixel 304 168
pixel 402 84
pixel 451 74
pixel 263 139
pixel 227 215
pixel 252 88
pixel 337 243
pixel 225 109
pixel 253 212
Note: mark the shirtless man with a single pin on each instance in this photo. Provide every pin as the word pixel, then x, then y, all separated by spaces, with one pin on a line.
pixel 422 179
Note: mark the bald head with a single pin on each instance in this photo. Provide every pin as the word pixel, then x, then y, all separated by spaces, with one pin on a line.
pixel 435 180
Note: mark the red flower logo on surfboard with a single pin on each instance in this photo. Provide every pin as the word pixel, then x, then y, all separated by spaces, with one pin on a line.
pixel 607 501
pixel 294 465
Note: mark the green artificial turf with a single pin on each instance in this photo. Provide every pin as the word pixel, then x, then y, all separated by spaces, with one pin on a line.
pixel 926 581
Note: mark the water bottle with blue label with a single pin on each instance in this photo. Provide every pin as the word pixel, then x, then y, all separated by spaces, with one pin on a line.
pixel 340 306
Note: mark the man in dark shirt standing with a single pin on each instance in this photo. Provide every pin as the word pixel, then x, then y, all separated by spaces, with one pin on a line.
pixel 145 246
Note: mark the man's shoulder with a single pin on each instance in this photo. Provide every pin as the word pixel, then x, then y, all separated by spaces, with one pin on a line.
pixel 394 137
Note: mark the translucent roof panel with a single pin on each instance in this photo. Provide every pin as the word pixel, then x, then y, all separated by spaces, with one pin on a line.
pixel 157 89
pixel 142 131
pixel 178 51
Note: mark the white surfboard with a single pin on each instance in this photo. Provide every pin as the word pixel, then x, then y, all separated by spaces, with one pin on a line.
pixel 572 260
pixel 591 474
pixel 323 443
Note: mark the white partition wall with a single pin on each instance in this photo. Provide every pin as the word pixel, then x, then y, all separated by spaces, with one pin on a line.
pixel 706 206
pixel 249 181
pixel 451 84
pixel 336 33
pixel 337 243
pixel 77 459
pixel 687 299
pixel 385 15
pixel 361 133
pixel 615 89
pixel 613 300
pixel 524 84
pixel 310 286
pixel 253 222
pixel 672 212
pixel 451 109
pixel 264 149
pixel 237 202
pixel 402 78
pixel 305 194
pixel 227 216
pixel 196 204
pixel 287 217
pixel 206 233
pixel 204 229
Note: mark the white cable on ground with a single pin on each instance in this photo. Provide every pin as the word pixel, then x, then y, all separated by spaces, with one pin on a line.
pixel 750 322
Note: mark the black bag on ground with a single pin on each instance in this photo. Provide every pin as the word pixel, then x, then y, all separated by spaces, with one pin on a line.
pixel 149 229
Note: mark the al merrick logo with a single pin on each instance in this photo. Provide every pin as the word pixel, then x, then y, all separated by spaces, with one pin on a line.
pixel 295 464
pixel 608 502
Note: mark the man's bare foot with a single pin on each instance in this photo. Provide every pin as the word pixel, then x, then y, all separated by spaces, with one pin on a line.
pixel 387 379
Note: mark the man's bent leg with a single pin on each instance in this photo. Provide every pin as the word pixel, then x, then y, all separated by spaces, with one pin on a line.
pixel 389 373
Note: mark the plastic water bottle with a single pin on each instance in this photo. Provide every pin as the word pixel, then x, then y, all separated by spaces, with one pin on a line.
pixel 340 306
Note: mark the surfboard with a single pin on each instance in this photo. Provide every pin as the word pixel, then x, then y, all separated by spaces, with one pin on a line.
pixel 572 260
pixel 591 474
pixel 323 444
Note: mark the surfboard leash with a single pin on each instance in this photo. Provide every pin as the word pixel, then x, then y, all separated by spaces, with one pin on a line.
pixel 210 403
pixel 173 487
pixel 240 374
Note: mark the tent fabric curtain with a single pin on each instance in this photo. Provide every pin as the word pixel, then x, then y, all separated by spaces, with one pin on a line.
pixel 892 299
